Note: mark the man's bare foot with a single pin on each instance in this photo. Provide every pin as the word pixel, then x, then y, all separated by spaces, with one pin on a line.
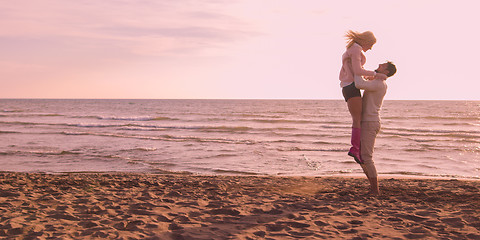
pixel 374 192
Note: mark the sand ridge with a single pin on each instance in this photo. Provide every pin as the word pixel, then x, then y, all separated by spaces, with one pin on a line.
pixel 180 206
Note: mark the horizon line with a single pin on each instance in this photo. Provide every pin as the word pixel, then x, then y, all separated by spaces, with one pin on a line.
pixel 312 99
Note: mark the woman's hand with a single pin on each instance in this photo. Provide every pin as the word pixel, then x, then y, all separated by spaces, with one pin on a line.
pixel 380 76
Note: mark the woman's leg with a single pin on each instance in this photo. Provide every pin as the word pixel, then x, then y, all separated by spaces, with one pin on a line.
pixel 355 108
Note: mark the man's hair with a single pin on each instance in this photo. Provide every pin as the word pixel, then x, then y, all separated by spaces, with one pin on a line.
pixel 391 69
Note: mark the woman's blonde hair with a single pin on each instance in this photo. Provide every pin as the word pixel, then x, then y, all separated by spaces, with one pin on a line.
pixel 363 38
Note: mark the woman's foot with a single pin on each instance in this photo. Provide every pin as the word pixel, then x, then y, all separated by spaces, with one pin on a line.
pixel 355 149
pixel 355 153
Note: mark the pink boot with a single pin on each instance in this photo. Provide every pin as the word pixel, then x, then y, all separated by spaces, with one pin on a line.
pixel 355 149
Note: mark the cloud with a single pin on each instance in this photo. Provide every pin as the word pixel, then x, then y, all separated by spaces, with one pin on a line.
pixel 166 26
pixel 180 32
pixel 175 32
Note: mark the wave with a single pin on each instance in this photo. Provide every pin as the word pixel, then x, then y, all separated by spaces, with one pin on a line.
pixel 315 165
pixel 284 141
pixel 454 118
pixel 140 118
pixel 426 130
pixel 448 137
pixel 129 118
pixel 325 142
pixel 423 174
pixel 280 121
pixel 297 149
pixel 142 149
pixel 221 155
pixel 7 153
pixel 80 125
pixel 387 132
pixel 228 118
pixel 234 172
pixel 8 132
pixel 225 129
pixel 91 125
pixel 39 152
pixel 150 127
pixel 251 115
pixel 208 129
pixel 20 123
pixel 134 127
pixel 431 133
pixel 75 133
pixel 37 115
pixel 164 137
pixel 200 139
pixel 462 124
pixel 11 111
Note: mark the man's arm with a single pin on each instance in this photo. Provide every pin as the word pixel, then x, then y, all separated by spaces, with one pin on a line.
pixel 361 83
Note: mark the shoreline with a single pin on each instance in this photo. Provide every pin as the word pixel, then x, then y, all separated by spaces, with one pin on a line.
pixel 189 206
pixel 173 172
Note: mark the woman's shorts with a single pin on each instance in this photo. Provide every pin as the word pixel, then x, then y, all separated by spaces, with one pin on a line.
pixel 351 91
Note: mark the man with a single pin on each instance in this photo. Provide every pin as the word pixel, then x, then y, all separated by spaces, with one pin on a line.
pixel 372 101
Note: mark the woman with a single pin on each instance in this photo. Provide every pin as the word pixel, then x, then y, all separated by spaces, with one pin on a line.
pixel 352 64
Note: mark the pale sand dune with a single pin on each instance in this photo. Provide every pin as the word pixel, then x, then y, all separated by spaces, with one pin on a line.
pixel 125 206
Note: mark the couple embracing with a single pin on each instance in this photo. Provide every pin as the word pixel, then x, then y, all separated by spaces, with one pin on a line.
pixel 364 111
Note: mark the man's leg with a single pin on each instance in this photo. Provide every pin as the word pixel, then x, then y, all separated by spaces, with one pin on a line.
pixel 369 134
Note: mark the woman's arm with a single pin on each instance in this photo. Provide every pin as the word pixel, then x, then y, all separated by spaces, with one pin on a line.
pixel 356 56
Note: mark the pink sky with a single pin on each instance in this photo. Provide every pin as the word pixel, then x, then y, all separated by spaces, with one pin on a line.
pixel 232 49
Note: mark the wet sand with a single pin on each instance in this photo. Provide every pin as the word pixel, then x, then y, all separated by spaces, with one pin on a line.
pixel 180 206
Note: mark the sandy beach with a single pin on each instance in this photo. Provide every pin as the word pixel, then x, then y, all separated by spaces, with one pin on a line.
pixel 183 206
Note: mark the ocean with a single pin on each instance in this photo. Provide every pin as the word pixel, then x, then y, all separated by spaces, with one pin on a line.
pixel 438 139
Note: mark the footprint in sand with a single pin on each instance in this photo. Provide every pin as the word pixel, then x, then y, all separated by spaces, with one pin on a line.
pixel 455 222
